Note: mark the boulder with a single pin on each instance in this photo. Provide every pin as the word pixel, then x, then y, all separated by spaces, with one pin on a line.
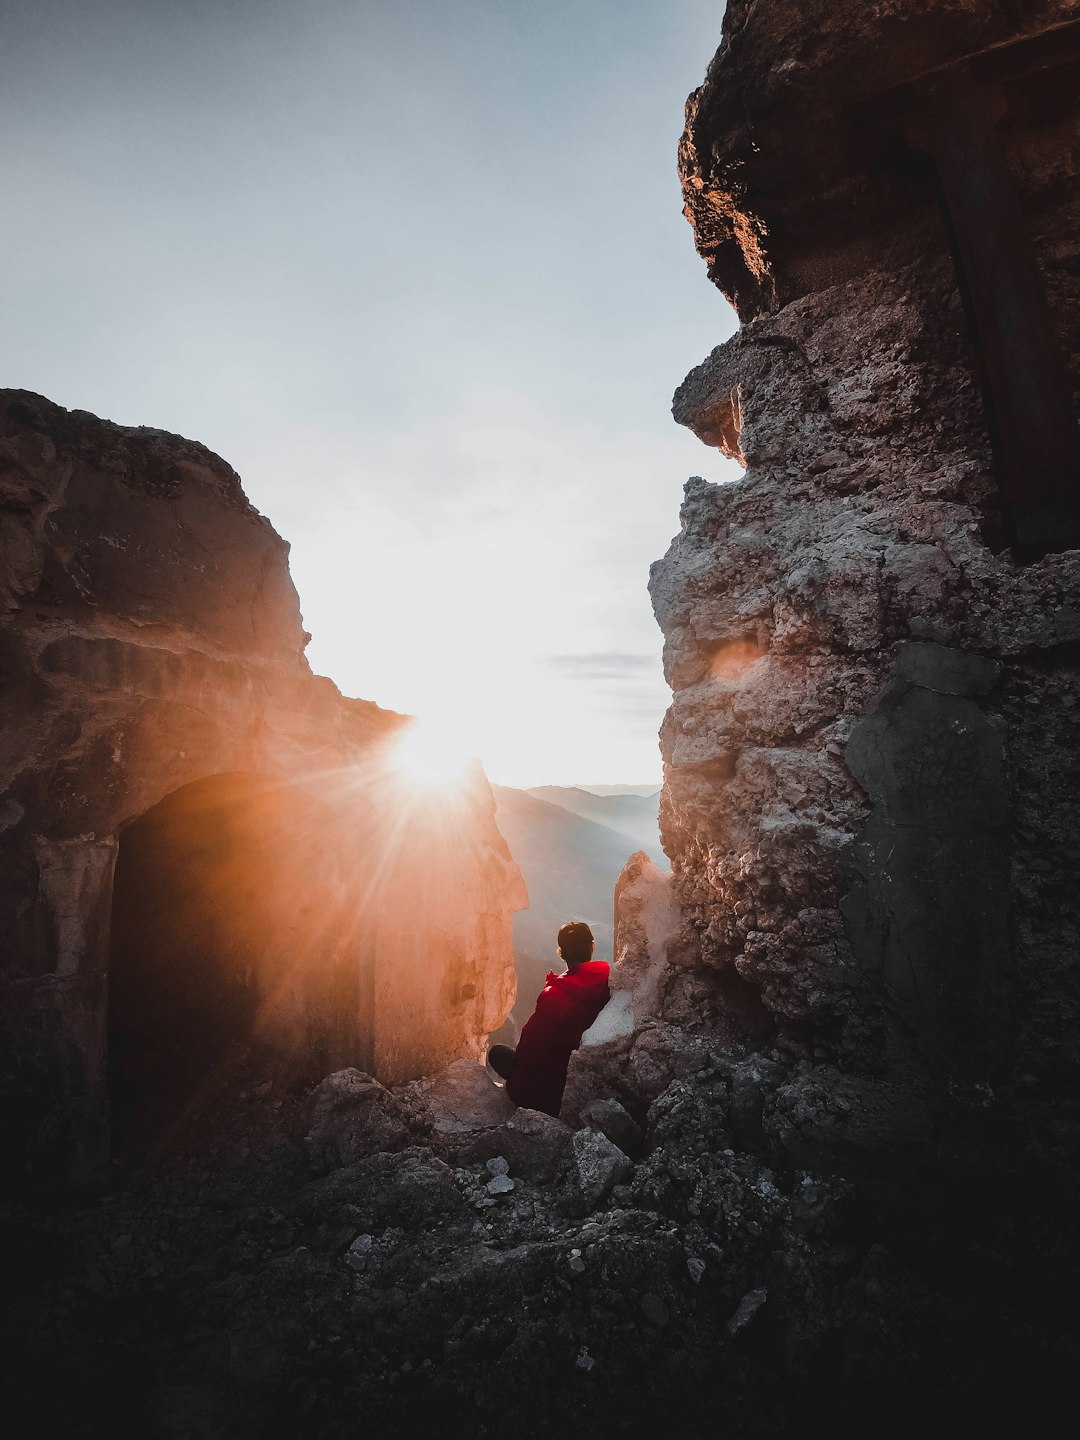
pixel 352 1115
pixel 611 1119
pixel 598 1167
pixel 410 1190
pixel 535 1145
pixel 463 1097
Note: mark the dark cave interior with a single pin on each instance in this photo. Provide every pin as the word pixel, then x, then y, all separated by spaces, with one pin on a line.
pixel 212 929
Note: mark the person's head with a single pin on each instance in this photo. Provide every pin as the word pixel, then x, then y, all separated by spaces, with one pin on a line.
pixel 575 942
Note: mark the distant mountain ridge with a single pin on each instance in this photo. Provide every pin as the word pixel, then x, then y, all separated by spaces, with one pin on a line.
pixel 570 862
pixel 617 789
pixel 631 814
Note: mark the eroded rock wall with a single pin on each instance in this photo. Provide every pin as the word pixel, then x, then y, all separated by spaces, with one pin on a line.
pixel 158 707
pixel 871 776
pixel 793 176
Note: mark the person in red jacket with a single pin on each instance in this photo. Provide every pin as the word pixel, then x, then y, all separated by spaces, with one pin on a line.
pixel 535 1073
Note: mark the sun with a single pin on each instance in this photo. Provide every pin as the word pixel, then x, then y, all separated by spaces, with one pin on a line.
pixel 431 756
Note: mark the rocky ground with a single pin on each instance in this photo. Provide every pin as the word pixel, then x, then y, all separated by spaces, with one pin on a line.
pixel 430 1262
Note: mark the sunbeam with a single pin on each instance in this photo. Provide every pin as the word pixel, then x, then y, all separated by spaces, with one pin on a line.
pixel 431 756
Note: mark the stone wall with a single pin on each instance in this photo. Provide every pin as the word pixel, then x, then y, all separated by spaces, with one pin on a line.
pixel 158 706
pixel 871 797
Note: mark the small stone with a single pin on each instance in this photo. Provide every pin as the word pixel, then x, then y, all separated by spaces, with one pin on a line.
pixel 599 1165
pixel 499 1185
pixel 577 1264
pixel 696 1268
pixel 356 1256
pixel 498 1165
pixel 584 1360
pixel 748 1309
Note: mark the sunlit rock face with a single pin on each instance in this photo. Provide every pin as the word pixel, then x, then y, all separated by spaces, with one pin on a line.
pixel 871 797
pixel 206 850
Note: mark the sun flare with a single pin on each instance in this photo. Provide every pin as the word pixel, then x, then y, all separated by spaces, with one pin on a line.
pixel 430 756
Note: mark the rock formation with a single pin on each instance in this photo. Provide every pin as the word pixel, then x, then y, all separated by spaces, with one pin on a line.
pixel 204 846
pixel 871 797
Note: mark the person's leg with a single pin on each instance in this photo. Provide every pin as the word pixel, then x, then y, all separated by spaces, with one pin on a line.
pixel 501 1058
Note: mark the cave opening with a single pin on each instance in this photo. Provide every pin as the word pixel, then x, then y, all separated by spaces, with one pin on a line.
pixel 229 955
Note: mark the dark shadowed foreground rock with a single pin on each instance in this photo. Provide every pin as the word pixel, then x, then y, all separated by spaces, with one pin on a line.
pixel 711 1288
pixel 598 1167
pixel 535 1146
pixel 352 1116
pixel 612 1120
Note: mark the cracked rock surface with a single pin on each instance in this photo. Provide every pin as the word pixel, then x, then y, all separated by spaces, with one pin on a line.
pixel 439 1288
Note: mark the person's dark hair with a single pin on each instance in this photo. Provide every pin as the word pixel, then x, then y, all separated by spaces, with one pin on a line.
pixel 575 942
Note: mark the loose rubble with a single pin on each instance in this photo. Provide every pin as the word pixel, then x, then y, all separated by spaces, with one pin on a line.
pixel 456 1280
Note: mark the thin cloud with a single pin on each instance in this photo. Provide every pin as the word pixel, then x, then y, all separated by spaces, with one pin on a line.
pixel 604 665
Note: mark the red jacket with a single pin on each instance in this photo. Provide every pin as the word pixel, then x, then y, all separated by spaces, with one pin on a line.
pixel 565 1008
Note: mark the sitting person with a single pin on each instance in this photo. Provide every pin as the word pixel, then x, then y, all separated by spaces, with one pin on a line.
pixel 535 1073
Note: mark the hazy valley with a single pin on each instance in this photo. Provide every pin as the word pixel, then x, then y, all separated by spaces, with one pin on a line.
pixel 571 845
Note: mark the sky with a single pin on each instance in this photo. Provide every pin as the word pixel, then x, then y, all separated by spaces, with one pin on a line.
pixel 417 269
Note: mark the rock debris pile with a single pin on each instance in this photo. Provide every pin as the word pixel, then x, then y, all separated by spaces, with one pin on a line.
pixel 418 1261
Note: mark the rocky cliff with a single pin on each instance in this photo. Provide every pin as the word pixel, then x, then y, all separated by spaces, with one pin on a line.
pixel 872 638
pixel 206 849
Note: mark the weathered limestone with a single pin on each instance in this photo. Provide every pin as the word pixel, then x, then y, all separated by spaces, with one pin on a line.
pixel 193 819
pixel 642 1038
pixel 871 773
pixel 647 920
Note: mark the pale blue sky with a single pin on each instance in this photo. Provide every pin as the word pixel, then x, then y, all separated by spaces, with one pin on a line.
pixel 418 271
